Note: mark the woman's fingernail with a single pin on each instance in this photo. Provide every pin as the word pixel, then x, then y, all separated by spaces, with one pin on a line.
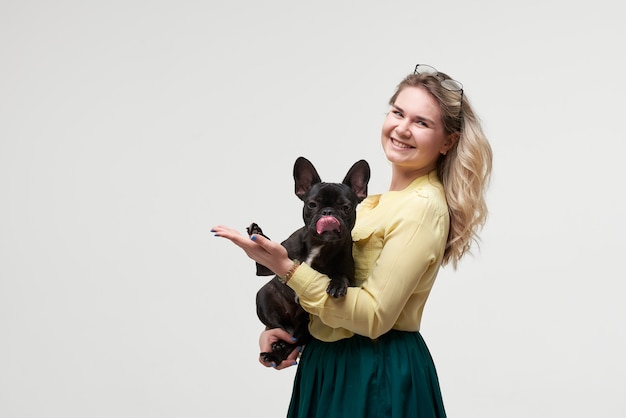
pixel 299 349
pixel 273 364
pixel 293 338
pixel 253 237
pixel 295 363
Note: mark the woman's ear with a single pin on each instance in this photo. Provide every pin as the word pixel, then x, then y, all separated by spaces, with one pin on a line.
pixel 449 142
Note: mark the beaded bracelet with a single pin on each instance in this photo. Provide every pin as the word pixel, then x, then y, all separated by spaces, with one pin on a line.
pixel 284 279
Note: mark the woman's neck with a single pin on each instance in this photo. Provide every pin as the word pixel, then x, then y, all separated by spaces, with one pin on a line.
pixel 400 179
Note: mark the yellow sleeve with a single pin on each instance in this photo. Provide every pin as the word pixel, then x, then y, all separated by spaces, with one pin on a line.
pixel 405 257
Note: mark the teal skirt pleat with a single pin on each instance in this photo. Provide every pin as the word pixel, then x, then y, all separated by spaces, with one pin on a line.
pixel 392 376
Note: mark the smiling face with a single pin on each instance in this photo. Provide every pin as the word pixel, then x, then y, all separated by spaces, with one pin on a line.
pixel 413 136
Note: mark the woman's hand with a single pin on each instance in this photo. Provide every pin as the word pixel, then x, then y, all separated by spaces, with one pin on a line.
pixel 272 335
pixel 265 252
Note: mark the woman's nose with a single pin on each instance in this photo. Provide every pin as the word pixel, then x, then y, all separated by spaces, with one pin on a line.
pixel 403 128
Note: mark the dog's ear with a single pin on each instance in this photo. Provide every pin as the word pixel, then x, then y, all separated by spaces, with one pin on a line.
pixel 357 178
pixel 305 176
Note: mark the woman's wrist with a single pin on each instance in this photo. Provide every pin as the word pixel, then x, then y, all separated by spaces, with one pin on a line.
pixel 289 271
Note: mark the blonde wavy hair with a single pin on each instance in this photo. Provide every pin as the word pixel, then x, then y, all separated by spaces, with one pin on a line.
pixel 465 170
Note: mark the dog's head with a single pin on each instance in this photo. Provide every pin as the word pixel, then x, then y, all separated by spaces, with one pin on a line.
pixel 329 211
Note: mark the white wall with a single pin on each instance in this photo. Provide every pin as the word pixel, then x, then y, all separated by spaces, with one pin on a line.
pixel 129 128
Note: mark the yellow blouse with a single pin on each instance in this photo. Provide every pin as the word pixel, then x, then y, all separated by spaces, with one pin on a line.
pixel 399 241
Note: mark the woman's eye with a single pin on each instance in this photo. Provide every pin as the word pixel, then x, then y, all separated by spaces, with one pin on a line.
pixel 397 113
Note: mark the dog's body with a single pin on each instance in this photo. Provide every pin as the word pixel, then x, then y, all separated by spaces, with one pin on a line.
pixel 324 243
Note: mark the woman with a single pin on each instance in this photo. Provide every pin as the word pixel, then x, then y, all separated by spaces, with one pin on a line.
pixel 367 357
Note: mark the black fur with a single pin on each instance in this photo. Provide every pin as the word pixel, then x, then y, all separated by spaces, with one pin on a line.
pixel 325 245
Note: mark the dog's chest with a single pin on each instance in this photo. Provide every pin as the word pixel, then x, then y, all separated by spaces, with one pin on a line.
pixel 313 254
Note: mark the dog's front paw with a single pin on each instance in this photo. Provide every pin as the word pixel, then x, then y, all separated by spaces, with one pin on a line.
pixel 255 229
pixel 261 270
pixel 337 288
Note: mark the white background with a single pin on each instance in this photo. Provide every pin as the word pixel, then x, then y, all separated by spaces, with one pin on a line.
pixel 129 128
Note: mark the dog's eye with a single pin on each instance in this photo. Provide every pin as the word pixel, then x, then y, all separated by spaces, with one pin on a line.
pixel 346 208
pixel 311 205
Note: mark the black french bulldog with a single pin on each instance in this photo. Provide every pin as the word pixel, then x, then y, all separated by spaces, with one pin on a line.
pixel 324 243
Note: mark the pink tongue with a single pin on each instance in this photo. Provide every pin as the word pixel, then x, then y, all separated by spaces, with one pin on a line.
pixel 327 223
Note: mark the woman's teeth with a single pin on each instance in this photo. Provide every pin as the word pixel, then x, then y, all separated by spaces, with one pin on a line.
pixel 400 144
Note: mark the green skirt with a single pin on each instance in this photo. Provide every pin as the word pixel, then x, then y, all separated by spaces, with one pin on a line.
pixel 392 376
